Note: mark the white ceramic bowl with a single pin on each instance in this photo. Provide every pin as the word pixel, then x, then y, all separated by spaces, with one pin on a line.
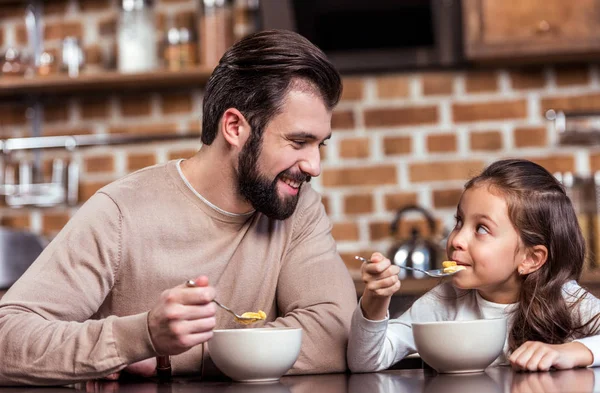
pixel 460 346
pixel 255 355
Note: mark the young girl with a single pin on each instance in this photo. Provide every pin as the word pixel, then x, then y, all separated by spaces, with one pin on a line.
pixel 518 237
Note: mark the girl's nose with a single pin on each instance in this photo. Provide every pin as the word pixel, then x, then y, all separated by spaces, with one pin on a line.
pixel 458 240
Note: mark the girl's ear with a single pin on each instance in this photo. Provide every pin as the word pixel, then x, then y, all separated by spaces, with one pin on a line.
pixel 535 259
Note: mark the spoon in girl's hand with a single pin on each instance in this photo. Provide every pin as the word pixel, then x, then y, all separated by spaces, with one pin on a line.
pixel 437 273
pixel 243 319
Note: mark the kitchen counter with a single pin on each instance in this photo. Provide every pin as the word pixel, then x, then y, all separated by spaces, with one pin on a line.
pixel 493 380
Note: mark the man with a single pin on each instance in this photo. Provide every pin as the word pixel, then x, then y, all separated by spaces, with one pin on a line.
pixel 239 218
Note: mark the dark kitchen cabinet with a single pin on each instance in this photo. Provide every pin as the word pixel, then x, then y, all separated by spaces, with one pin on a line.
pixel 531 29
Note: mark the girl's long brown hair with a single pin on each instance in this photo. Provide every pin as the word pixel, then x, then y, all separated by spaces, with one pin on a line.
pixel 542 214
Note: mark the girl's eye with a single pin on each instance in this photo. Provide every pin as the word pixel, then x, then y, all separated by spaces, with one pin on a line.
pixel 322 144
pixel 482 230
pixel 458 222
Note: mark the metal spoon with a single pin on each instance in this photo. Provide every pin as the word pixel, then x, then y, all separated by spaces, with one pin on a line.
pixel 437 273
pixel 238 318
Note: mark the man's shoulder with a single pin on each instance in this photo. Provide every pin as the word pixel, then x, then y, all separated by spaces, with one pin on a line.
pixel 148 180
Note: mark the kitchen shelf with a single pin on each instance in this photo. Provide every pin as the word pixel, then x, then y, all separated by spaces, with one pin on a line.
pixel 12 87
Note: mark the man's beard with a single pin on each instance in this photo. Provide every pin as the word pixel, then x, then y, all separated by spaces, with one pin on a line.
pixel 258 190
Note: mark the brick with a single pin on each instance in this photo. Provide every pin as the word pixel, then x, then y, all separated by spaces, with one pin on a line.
pixel 21 35
pixel 136 105
pixel 173 155
pixel 94 5
pixel 146 129
pixel 441 143
pixel 14 221
pixel 400 200
pixel 353 89
pixel 486 141
pixel 54 222
pixel 358 204
pixel 498 110
pixel 446 198
pixel 437 83
pixel 107 26
pixel 354 148
pixel 394 145
pixel 379 230
pixel 530 136
pixel 12 10
pixel 87 189
pixel 388 117
pixel 55 7
pixel 99 164
pixel 351 262
pixel 527 78
pixel 393 86
pixel 195 127
pixel 482 81
pixel 60 30
pixel 586 102
pixel 12 115
pixel 572 74
pixel 556 163
pixel 595 162
pixel 443 171
pixel 176 103
pixel 362 176
pixel 343 120
pixel 94 107
pixel 382 230
pixel 345 231
pixel 61 130
pixel 139 161
pixel 56 111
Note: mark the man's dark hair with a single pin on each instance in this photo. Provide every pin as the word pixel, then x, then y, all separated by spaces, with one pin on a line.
pixel 256 73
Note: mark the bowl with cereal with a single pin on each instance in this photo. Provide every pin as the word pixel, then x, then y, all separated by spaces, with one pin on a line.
pixel 460 346
pixel 255 355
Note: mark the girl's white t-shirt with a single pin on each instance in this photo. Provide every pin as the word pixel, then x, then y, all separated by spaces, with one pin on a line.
pixel 377 345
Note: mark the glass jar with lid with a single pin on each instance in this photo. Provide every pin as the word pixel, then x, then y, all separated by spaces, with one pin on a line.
pixel 137 37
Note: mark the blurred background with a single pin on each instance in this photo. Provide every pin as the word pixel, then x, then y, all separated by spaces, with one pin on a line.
pixel 434 90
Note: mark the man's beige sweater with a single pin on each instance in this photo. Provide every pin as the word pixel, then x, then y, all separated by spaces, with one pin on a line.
pixel 80 311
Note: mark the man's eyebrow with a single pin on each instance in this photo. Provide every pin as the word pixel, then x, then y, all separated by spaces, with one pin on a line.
pixel 306 135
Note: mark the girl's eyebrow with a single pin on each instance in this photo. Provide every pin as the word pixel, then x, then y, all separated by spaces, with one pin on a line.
pixel 485 217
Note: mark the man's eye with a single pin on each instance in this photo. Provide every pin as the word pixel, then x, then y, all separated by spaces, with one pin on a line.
pixel 322 144
pixel 300 143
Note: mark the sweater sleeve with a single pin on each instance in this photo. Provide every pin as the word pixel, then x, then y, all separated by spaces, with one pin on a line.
pixel 315 292
pixel 589 308
pixel 46 334
pixel 377 345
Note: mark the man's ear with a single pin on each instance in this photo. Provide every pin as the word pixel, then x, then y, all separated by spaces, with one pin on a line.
pixel 234 127
pixel 536 258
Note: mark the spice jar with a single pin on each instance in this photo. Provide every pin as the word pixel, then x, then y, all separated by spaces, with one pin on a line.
pixel 173 50
pixel 187 48
pixel 245 18
pixel 216 31
pixel 137 37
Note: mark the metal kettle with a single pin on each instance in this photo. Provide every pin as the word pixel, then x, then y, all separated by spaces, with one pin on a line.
pixel 416 251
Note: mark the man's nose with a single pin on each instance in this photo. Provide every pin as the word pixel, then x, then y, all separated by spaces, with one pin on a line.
pixel 311 164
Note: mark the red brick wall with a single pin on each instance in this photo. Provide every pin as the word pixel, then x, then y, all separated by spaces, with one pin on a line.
pixel 400 138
